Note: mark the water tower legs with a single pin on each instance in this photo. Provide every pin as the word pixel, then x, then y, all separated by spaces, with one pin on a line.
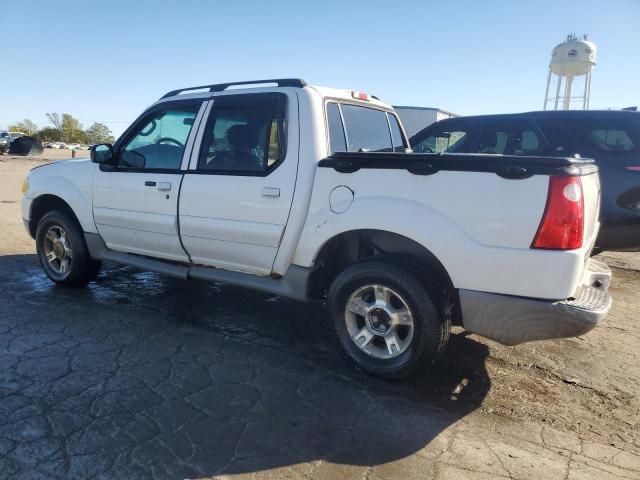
pixel 567 93
pixel 559 81
pixel 546 93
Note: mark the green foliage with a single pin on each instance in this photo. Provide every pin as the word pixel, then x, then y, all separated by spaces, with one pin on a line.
pixel 26 126
pixel 99 133
pixel 49 134
pixel 66 129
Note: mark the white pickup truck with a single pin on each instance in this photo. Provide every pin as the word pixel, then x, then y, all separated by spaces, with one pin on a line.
pixel 313 193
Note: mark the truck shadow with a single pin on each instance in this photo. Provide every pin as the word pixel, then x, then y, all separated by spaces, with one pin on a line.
pixel 224 380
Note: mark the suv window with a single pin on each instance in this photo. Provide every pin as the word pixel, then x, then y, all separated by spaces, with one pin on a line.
pixel 609 135
pixel 160 140
pixel 445 138
pixel 367 129
pixel 510 138
pixel 244 135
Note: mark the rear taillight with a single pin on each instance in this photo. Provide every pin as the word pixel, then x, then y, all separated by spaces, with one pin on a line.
pixel 634 168
pixel 562 224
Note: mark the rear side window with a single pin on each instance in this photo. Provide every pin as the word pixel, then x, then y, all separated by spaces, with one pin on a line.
pixel 510 138
pixel 337 141
pixel 367 129
pixel 445 138
pixel 609 135
pixel 244 135
pixel 396 134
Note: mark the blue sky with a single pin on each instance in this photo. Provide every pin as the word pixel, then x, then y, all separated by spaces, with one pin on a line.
pixel 107 61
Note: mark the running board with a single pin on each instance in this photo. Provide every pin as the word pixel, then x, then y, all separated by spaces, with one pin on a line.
pixel 292 285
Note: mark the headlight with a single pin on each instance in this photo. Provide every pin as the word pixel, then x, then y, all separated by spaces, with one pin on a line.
pixel 25 185
pixel 3 141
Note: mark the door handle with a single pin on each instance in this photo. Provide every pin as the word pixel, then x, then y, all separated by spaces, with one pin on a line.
pixel 270 192
pixel 149 183
pixel 164 186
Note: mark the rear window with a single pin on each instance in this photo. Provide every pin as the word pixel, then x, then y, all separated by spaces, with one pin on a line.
pixel 353 128
pixel 609 135
pixel 367 129
pixel 396 134
pixel 337 141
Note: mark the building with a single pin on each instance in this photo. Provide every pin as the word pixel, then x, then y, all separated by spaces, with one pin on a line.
pixel 415 119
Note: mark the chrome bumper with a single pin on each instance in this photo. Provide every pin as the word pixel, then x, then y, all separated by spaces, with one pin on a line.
pixel 513 320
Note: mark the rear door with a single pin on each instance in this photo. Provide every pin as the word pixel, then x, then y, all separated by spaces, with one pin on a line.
pixel 236 197
pixel 509 136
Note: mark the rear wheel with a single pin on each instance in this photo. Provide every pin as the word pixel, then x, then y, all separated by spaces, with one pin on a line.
pixel 386 321
pixel 62 251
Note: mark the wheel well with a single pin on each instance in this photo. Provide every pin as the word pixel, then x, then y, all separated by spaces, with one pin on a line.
pixel 350 247
pixel 45 204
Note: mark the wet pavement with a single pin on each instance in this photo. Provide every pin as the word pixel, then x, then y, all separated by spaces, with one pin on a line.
pixel 142 376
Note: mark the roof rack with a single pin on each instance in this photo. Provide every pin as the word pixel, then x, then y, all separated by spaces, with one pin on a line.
pixel 219 87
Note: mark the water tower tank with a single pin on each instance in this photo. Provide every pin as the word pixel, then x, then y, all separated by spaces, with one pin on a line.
pixel 572 58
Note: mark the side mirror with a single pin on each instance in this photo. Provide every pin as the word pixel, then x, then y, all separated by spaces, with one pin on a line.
pixel 102 154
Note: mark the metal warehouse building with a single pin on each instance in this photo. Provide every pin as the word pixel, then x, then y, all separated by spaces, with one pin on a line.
pixel 415 119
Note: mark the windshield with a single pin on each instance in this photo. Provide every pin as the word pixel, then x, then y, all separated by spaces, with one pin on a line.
pixel 4 135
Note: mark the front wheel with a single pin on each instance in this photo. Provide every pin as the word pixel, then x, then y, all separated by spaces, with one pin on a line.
pixel 385 319
pixel 62 251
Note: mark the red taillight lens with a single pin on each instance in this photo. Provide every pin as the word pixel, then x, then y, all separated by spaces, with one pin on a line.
pixel 634 169
pixel 562 224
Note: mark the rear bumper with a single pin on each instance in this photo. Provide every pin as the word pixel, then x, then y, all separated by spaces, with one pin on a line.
pixel 513 320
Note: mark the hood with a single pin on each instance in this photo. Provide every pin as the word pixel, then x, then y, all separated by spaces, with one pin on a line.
pixel 67 162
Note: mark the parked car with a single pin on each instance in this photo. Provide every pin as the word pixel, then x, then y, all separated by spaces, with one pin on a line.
pixel 307 192
pixel 5 142
pixel 15 135
pixel 611 138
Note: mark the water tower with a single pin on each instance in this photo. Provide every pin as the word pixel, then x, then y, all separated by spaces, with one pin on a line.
pixel 572 58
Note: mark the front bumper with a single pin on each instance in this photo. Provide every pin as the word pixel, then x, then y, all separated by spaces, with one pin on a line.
pixel 513 320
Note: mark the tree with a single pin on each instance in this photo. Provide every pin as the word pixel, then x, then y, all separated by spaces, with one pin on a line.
pixel 49 134
pixel 26 126
pixel 55 120
pixel 70 123
pixel 99 133
pixel 70 128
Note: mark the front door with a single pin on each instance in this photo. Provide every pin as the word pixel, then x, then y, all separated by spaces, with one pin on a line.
pixel 237 194
pixel 135 202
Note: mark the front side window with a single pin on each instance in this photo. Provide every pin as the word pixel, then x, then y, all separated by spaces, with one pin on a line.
pixel 444 138
pixel 367 129
pixel 245 135
pixel 510 138
pixel 160 140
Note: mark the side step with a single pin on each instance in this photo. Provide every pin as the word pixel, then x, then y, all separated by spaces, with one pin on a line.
pixel 292 285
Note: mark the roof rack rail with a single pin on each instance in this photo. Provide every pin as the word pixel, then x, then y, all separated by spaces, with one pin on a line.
pixel 219 87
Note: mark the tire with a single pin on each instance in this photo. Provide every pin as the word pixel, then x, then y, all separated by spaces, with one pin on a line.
pixel 364 287
pixel 66 243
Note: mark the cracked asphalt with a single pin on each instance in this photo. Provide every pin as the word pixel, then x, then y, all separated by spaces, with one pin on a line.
pixel 144 376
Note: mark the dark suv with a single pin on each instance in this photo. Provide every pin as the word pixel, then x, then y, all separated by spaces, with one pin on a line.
pixel 610 137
